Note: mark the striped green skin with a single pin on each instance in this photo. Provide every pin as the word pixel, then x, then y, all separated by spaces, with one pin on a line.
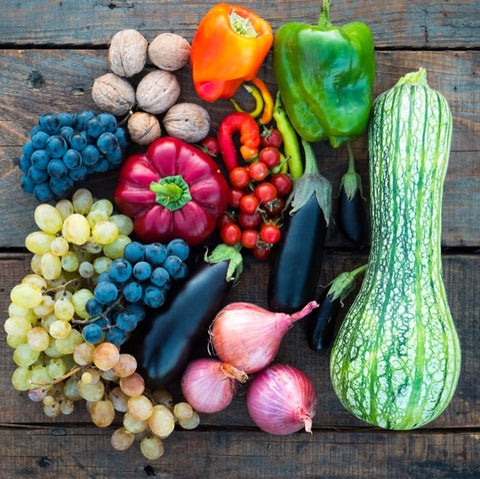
pixel 396 361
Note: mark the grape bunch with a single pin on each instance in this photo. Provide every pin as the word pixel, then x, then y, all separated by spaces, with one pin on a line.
pixel 66 148
pixel 75 246
pixel 142 277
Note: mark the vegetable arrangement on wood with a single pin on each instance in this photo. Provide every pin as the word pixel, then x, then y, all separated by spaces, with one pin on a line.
pixel 118 301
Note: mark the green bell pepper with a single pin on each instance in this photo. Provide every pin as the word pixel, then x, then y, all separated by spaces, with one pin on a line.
pixel 325 76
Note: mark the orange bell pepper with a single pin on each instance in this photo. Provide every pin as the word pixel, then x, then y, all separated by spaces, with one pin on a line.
pixel 227 49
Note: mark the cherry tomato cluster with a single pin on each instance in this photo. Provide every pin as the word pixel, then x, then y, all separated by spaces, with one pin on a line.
pixel 257 200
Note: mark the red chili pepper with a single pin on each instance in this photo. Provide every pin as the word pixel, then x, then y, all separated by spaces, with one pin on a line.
pixel 173 190
pixel 243 123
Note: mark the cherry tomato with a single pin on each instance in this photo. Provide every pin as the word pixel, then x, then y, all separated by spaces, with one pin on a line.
pixel 270 233
pixel 258 171
pixel 249 221
pixel 239 177
pixel 283 183
pixel 231 234
pixel 271 137
pixel 265 192
pixel 224 219
pixel 210 146
pixel 235 196
pixel 261 251
pixel 248 204
pixel 274 207
pixel 249 238
pixel 270 156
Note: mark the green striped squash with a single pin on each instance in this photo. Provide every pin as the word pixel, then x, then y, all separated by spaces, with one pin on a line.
pixel 396 360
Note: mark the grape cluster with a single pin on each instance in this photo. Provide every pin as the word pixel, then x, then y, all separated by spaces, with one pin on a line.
pixel 66 148
pixel 142 277
pixel 77 243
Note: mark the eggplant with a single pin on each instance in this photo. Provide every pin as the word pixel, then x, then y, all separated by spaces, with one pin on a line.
pixel 177 327
pixel 297 261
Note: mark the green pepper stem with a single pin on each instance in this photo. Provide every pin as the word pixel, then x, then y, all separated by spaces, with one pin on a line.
pixel 324 21
pixel 172 192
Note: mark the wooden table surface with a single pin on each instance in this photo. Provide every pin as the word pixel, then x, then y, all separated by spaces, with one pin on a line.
pixel 50 53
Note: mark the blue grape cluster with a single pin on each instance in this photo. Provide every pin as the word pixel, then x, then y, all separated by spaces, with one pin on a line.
pixel 66 148
pixel 140 278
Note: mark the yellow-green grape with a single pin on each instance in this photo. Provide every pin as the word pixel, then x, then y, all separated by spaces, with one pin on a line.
pixel 14 340
pixel 124 223
pixel 39 242
pixel 59 246
pixel 45 307
pixel 191 423
pixel 21 378
pixel 26 295
pixel 140 407
pixel 48 218
pixel 106 356
pixel 109 376
pixel 36 263
pixel 65 208
pixel 182 411
pixel 92 247
pixel 122 439
pixel 70 262
pixel 27 313
pixel 102 413
pixel 38 339
pixel 63 293
pixel 53 410
pixel 17 325
pixel 83 354
pixel 162 396
pixel 67 345
pixel 133 425
pixel 60 329
pixel 115 249
pixel 162 421
pixel 92 391
pixel 64 309
pixel 51 266
pixel 52 351
pixel 48 400
pixel 56 368
pixel 46 321
pixel 119 399
pixel 102 264
pixel 79 300
pixel 82 201
pixel 102 206
pixel 76 229
pixel 35 279
pixel 67 406
pixel 105 232
pixel 85 269
pixel 40 376
pixel 151 448
pixel 70 390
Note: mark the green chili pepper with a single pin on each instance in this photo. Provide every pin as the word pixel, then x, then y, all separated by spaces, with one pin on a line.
pixel 325 75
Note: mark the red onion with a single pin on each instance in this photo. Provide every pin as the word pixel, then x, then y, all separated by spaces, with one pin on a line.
pixel 281 400
pixel 209 385
pixel 249 336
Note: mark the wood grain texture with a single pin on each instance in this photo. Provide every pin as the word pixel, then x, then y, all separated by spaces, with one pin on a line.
pixel 405 24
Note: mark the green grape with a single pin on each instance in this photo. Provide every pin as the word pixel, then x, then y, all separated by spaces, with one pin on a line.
pixel 115 249
pixel 92 391
pixel 119 399
pixel 190 423
pixel 27 313
pixel 67 345
pixel 56 368
pixel 59 246
pixel 26 295
pixel 52 410
pixel 63 294
pixel 21 378
pixel 38 339
pixel 46 321
pixel 70 390
pixel 25 356
pixel 48 218
pixel 65 208
pixel 123 222
pixel 60 329
pixel 102 264
pixel 183 411
pixel 40 375
pixel 14 340
pixel 151 448
pixel 161 421
pixel 140 407
pixel 36 263
pixel 76 229
pixel 51 266
pixel 104 206
pixel 83 354
pixel 45 307
pixel 82 201
pixel 85 269
pixel 133 425
pixel 36 280
pixel 70 262
pixel 52 351
pixel 91 246
pixel 102 413
pixel 105 232
pixel 79 300
pixel 39 242
pixel 17 325
pixel 67 406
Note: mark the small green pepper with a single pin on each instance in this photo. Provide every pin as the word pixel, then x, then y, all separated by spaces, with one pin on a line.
pixel 325 76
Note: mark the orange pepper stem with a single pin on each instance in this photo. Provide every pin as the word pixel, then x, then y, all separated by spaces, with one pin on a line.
pixel 267 100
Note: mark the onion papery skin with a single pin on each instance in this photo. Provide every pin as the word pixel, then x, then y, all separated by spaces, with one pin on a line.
pixel 209 385
pixel 281 400
pixel 248 336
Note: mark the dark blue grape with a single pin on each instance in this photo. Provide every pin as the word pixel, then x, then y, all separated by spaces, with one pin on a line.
pixel 50 123
pixel 35 130
pixel 56 146
pixel 133 291
pixel 115 336
pixel 93 307
pixel 103 277
pixel 175 267
pixel 40 159
pixel 27 184
pixel 122 136
pixel 24 163
pixel 67 132
pixel 105 292
pixel 90 155
pixel 37 176
pixel 57 168
pixel 39 139
pixel 126 321
pixel 155 253
pixel 120 270
pixel 115 158
pixel 81 119
pixel 101 166
pixel 28 149
pixel 72 159
pixel 94 127
pixel 137 310
pixel 154 296
pixel 160 277
pixel 61 186
pixel 134 252
pixel 78 174
pixel 178 247
pixel 79 141
pixel 107 143
pixel 66 119
pixel 109 121
pixel 142 270
pixel 93 333
pixel 43 192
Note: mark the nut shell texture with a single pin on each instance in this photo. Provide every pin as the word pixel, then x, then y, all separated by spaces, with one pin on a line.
pixel 169 51
pixel 113 94
pixel 143 128
pixel 157 91
pixel 127 54
pixel 187 121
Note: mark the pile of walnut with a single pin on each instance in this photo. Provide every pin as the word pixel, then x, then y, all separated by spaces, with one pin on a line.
pixel 157 91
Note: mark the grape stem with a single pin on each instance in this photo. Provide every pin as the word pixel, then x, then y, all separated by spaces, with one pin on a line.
pixel 58 380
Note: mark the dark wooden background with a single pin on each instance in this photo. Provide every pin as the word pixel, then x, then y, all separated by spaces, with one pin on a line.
pixel 50 53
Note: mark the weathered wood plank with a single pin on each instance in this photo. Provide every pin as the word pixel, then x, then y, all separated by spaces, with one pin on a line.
pixel 93 22
pixel 83 453
pixel 37 81
pixel 462 284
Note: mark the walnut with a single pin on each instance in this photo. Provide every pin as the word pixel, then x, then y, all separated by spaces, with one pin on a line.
pixel 187 121
pixel 143 128
pixel 157 91
pixel 169 51
pixel 113 94
pixel 127 54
